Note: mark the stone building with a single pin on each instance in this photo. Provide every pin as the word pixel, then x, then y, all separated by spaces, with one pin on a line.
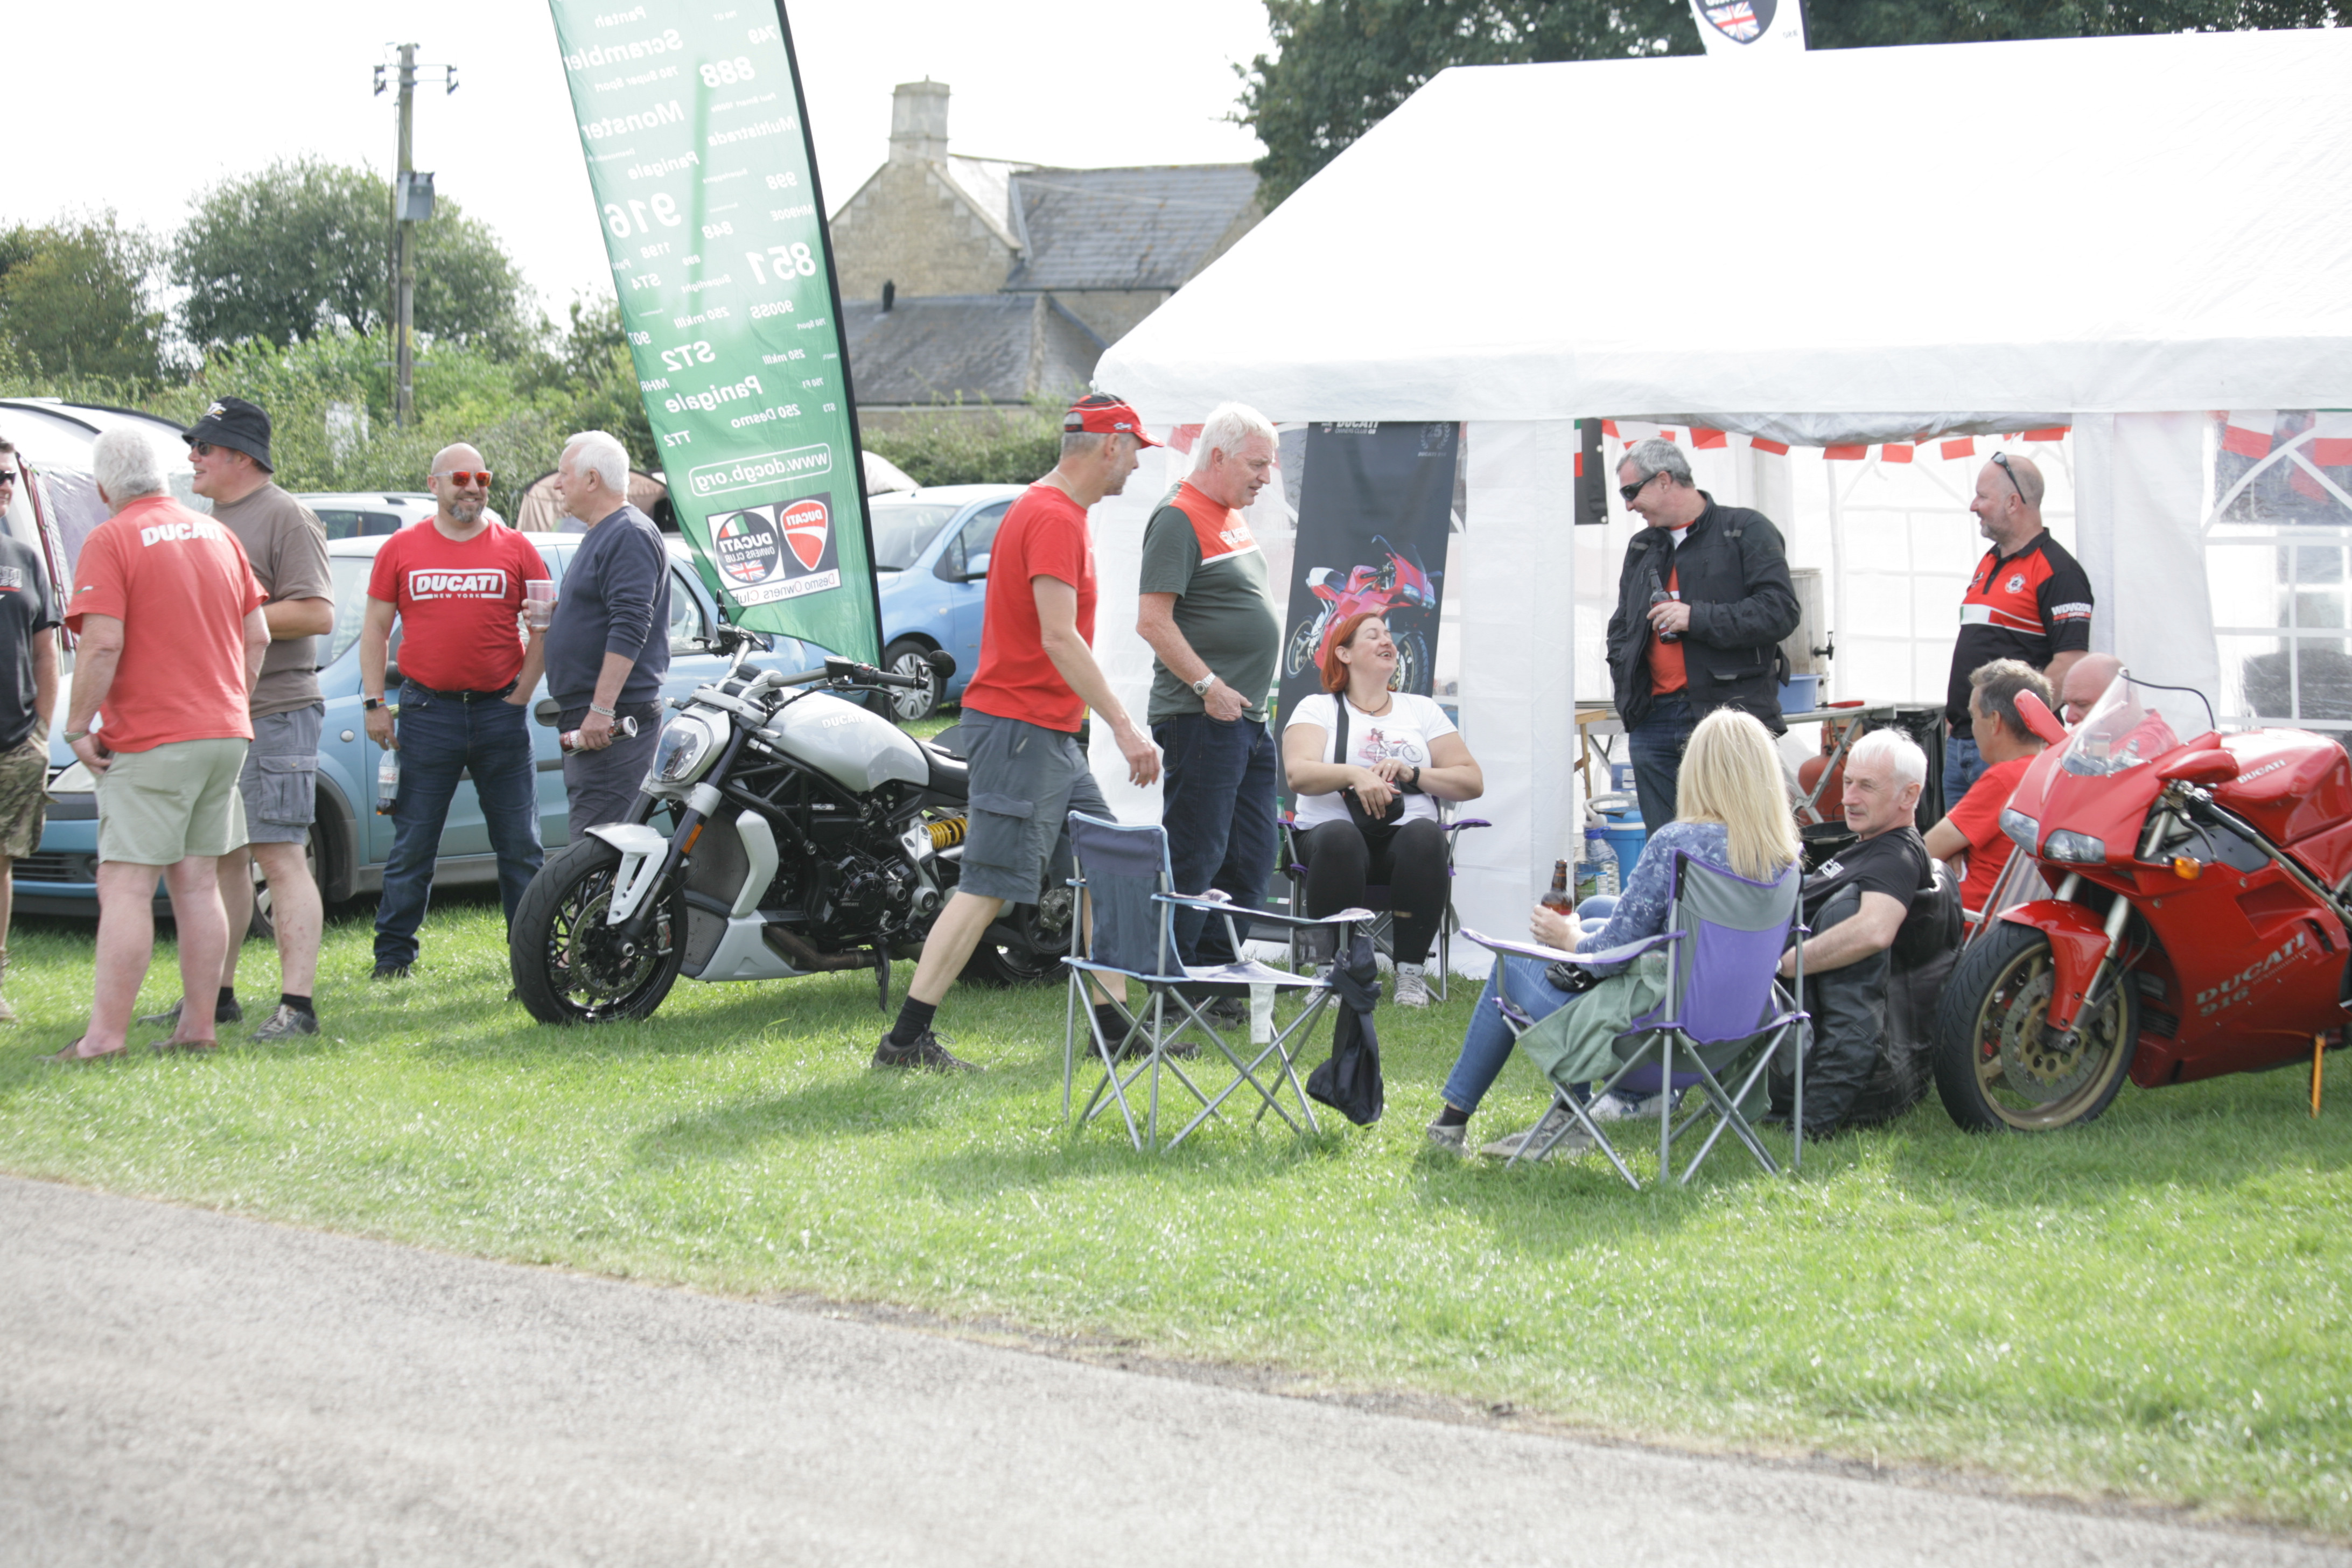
pixel 980 281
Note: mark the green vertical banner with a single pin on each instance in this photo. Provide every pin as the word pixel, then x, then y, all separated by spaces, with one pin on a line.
pixel 698 146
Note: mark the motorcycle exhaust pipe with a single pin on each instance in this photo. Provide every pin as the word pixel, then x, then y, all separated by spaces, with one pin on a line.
pixel 797 951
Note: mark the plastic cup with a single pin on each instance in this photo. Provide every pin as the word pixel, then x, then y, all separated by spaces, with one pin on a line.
pixel 538 604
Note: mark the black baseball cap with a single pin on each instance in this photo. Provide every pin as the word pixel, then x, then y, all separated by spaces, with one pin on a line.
pixel 233 422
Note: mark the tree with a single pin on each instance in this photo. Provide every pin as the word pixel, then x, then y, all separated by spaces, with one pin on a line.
pixel 1343 65
pixel 591 367
pixel 73 301
pixel 305 246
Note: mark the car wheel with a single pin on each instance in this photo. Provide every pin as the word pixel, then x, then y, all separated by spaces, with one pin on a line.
pixel 907 657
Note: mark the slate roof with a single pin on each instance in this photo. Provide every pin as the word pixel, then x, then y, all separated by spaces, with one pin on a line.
pixel 939 348
pixel 1149 227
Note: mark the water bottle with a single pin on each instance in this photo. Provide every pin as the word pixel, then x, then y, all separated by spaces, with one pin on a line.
pixel 1261 1015
pixel 387 783
pixel 1596 867
pixel 623 728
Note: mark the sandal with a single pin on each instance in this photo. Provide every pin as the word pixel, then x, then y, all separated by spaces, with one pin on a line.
pixel 177 1044
pixel 72 1054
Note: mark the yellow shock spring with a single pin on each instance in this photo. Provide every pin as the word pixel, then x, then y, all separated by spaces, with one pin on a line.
pixel 946 835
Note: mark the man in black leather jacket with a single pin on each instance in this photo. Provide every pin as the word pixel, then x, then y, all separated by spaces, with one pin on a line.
pixel 1702 604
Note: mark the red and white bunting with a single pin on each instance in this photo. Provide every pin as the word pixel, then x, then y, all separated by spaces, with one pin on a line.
pixel 2248 431
pixel 1699 438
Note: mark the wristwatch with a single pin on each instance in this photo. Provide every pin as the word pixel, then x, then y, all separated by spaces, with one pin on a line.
pixel 1200 686
pixel 73 735
pixel 371 703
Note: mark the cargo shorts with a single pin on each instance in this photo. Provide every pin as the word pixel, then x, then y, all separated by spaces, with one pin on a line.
pixel 1025 780
pixel 24 780
pixel 280 782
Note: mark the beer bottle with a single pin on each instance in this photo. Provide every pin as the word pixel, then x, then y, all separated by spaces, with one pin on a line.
pixel 1558 898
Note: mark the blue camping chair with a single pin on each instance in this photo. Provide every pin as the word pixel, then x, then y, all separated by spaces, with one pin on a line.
pixel 1723 1018
pixel 1124 871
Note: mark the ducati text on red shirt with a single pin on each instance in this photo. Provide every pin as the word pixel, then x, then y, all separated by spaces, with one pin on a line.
pixel 429 585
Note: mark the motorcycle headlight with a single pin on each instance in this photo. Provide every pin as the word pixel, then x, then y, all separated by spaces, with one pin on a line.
pixel 2021 829
pixel 686 745
pixel 2080 848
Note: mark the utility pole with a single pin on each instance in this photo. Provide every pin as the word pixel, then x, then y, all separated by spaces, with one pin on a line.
pixel 412 203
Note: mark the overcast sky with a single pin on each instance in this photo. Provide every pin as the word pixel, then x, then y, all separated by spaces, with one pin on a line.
pixel 138 106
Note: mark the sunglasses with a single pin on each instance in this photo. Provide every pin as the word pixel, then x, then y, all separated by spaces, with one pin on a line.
pixel 464 480
pixel 206 449
pixel 1630 491
pixel 7 476
pixel 2002 459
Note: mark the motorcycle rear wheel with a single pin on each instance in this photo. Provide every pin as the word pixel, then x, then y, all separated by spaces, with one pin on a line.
pixel 1304 641
pixel 1996 1070
pixel 564 969
pixel 1003 963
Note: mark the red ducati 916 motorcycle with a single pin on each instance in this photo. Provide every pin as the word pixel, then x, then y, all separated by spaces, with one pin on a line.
pixel 1397 584
pixel 2192 918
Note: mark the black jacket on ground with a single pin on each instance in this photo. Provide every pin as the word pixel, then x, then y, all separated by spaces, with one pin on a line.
pixel 1734 574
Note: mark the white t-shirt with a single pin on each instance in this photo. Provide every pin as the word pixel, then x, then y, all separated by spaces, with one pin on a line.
pixel 1404 731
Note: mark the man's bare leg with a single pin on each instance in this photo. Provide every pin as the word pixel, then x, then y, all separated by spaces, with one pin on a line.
pixel 204 942
pixel 7 901
pixel 949 945
pixel 296 911
pixel 234 877
pixel 126 945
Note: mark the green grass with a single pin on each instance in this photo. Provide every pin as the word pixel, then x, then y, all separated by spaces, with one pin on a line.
pixel 2152 1308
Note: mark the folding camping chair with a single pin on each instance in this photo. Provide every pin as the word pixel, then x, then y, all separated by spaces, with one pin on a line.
pixel 1294 869
pixel 1124 870
pixel 1723 1018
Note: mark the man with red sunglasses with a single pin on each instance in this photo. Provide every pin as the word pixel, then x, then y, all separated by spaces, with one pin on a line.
pixel 456 583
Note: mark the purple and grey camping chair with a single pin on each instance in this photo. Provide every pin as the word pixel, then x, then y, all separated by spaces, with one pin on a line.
pixel 1125 872
pixel 1724 1016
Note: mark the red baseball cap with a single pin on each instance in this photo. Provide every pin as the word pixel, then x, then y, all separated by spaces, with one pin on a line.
pixel 1103 415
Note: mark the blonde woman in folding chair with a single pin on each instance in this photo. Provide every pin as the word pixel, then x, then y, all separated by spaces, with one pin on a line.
pixel 1731 814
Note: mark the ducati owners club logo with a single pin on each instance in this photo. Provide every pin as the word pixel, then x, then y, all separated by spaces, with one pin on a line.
pixel 778 550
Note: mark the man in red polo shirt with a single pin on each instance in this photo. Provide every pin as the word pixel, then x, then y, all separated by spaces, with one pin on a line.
pixel 172 641
pixel 1037 677
pixel 1972 827
pixel 455 581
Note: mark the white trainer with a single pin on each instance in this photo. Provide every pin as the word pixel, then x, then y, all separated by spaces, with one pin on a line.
pixel 1412 986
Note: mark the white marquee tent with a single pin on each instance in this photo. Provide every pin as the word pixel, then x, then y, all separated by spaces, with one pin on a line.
pixel 1864 248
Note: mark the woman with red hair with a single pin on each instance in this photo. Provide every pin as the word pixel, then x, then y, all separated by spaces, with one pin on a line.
pixel 1368 767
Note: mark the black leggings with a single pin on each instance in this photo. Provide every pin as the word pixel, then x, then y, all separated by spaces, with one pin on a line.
pixel 1411 865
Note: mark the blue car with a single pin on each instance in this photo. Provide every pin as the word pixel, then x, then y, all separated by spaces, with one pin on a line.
pixel 931 560
pixel 349 842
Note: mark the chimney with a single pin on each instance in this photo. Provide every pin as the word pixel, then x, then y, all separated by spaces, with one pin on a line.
pixel 918 122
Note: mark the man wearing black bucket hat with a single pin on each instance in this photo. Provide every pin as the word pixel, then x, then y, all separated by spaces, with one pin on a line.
pixel 229 449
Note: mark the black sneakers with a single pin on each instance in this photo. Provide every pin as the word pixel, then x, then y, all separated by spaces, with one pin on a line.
pixel 390 972
pixel 927 1052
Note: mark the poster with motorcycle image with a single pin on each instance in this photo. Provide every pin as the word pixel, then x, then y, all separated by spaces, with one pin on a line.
pixel 1375 504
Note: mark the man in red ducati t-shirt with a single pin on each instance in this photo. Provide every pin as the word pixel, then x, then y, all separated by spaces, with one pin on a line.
pixel 1973 828
pixel 455 582
pixel 1037 677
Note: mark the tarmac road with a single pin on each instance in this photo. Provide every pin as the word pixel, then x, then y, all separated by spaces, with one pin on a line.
pixel 186 1388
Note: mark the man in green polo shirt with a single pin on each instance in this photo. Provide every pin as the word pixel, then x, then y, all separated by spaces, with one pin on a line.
pixel 1207 611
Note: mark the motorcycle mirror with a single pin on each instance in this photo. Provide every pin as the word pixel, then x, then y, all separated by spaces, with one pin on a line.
pixel 942 664
pixel 2040 720
pixel 2211 766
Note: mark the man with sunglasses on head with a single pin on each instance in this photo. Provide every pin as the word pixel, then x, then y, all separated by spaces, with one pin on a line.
pixel 229 450
pixel 608 646
pixel 456 583
pixel 1702 602
pixel 28 695
pixel 2028 600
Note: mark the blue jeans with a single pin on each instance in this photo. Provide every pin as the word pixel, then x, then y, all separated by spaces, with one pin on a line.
pixel 1656 745
pixel 1963 765
pixel 439 739
pixel 1488 1046
pixel 1218 809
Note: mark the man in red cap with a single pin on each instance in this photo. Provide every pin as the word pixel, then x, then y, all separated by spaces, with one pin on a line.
pixel 1023 711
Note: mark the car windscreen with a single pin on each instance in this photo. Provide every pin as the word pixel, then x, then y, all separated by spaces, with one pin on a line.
pixel 902 533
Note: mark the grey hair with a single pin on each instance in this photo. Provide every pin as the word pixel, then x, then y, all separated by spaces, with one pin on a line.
pixel 601 455
pixel 1227 426
pixel 1895 748
pixel 1086 443
pixel 1654 455
pixel 124 464
pixel 1997 685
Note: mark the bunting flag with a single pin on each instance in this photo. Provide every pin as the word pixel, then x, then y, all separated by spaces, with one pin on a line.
pixel 1626 432
pixel 2331 440
pixel 2248 431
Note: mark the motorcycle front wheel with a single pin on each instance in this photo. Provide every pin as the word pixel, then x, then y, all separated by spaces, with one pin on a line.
pixel 1413 662
pixel 1997 1066
pixel 568 966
